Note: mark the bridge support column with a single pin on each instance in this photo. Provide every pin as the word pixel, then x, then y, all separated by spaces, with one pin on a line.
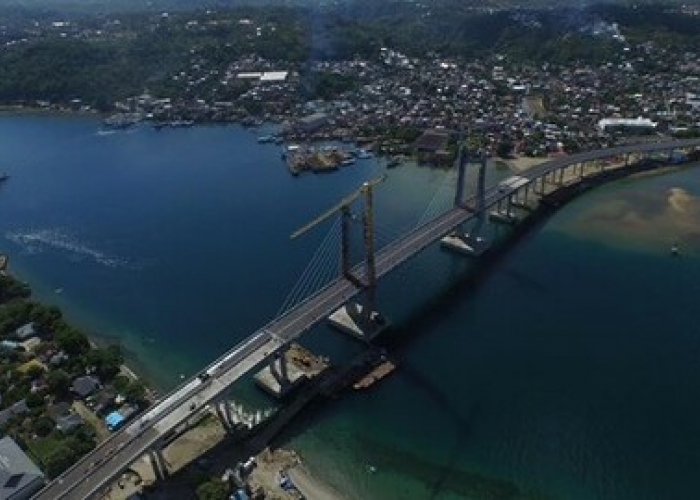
pixel 362 321
pixel 520 197
pixel 223 411
pixel 504 215
pixel 473 242
pixel 279 378
pixel 160 467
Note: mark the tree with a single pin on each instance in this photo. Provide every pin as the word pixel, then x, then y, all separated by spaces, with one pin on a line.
pixel 58 460
pixel 72 341
pixel 43 426
pixel 34 372
pixel 121 383
pixel 58 382
pixel 107 361
pixel 135 392
pixel 504 149
pixel 34 400
pixel 214 489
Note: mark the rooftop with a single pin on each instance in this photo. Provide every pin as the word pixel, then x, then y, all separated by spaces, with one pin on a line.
pixel 19 476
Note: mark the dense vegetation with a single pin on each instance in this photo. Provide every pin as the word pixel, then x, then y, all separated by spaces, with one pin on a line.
pixel 27 376
pixel 148 52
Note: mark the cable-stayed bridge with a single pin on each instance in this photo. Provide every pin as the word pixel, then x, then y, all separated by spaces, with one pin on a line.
pixel 88 477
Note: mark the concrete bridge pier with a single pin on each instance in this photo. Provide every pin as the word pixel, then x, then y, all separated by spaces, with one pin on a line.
pixel 159 464
pixel 521 198
pixel 223 412
pixel 278 378
pixel 358 320
pixel 467 243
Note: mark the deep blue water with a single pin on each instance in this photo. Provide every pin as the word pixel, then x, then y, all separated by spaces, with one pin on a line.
pixel 571 370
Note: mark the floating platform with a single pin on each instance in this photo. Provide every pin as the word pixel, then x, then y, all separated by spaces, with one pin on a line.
pixel 348 319
pixel 467 245
pixel 267 381
pixel 383 369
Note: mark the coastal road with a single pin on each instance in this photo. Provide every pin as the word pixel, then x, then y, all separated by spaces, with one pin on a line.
pixel 103 465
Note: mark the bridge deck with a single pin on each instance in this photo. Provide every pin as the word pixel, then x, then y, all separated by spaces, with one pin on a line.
pixel 111 458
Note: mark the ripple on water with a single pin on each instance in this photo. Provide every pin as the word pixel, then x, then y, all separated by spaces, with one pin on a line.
pixel 36 241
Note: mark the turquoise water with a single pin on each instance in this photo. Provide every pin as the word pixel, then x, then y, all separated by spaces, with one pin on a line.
pixel 568 371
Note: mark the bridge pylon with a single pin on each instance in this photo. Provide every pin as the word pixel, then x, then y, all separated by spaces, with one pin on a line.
pixel 360 319
pixel 473 242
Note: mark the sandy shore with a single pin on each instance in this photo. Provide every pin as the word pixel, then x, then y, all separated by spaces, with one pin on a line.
pixel 311 487
pixel 522 163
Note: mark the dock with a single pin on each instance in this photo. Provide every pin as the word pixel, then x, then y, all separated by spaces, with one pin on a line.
pixel 383 369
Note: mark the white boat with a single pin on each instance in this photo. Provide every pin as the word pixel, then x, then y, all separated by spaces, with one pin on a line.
pixel 363 154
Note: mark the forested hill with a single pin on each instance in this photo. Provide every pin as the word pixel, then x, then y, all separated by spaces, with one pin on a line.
pixel 156 5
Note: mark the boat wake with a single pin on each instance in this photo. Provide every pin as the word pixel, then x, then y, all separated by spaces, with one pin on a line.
pixel 37 241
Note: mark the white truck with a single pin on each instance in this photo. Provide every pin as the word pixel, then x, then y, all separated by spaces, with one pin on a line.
pixel 512 183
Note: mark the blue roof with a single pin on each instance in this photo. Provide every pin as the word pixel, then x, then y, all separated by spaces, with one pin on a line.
pixel 114 419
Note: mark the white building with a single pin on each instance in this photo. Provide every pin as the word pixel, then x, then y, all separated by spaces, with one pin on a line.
pixel 626 123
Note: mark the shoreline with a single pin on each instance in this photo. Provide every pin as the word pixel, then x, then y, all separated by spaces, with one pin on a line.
pixel 95 340
pixel 311 487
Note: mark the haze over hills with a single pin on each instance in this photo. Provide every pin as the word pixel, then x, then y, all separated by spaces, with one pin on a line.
pixel 141 5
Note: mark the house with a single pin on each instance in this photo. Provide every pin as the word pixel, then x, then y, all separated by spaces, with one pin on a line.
pixel 64 416
pixel 86 385
pixel 104 400
pixel 432 141
pixel 16 409
pixel 65 423
pixel 20 478
pixel 26 332
pixel 313 122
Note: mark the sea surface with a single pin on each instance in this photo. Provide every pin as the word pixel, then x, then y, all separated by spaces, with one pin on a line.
pixel 569 369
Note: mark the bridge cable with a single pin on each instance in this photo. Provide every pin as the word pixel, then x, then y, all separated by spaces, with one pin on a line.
pixel 441 199
pixel 315 272
pixel 322 254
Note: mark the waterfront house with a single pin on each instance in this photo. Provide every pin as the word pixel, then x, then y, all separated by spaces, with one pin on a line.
pixel 86 385
pixel 25 332
pixel 20 478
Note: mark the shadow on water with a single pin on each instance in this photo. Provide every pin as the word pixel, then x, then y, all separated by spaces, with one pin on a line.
pixel 446 476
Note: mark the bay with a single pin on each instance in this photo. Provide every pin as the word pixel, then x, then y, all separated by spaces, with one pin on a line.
pixel 569 370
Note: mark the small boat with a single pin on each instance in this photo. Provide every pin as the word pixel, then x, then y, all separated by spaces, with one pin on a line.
pixel 675 250
pixel 4 176
pixel 266 139
pixel 348 161
pixel 181 123
pixel 393 162
pixel 363 154
pixel 121 121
